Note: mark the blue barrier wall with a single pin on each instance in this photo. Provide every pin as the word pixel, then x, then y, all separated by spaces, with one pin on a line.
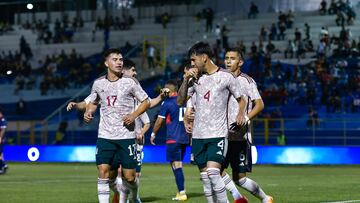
pixel 156 154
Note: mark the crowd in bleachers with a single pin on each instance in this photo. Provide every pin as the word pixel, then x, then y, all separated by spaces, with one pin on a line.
pixel 341 8
pixel 331 79
pixel 5 27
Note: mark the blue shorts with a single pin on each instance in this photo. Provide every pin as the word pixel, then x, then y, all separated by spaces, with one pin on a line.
pixel 175 152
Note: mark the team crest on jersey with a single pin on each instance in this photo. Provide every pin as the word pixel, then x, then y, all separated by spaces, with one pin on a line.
pixel 219 153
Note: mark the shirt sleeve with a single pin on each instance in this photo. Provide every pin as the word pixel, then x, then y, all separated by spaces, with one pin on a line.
pixel 235 88
pixel 144 118
pixel 139 92
pixel 93 95
pixel 254 92
pixel 191 102
pixel 93 98
pixel 191 91
pixel 163 110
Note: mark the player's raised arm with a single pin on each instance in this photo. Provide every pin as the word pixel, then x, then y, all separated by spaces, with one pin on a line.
pixel 183 90
pixel 164 92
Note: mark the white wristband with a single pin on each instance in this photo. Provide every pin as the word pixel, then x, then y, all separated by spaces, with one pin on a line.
pixel 152 134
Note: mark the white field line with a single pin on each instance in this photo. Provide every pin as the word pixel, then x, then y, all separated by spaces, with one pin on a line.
pixel 345 201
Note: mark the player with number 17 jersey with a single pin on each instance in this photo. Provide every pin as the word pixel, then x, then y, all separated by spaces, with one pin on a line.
pixel 117 100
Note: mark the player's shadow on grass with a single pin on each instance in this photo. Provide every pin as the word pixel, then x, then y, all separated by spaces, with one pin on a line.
pixel 154 199
pixel 151 199
pixel 194 194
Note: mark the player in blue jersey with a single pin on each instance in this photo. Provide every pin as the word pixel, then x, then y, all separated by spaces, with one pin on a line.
pixel 176 137
pixel 3 125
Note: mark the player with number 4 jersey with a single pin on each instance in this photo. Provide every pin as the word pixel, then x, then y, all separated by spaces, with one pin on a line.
pixel 212 88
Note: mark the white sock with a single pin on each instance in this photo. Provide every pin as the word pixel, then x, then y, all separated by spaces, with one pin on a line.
pixel 138 186
pixel 252 187
pixel 124 193
pixel 217 184
pixel 208 192
pixel 103 190
pixel 118 183
pixel 113 185
pixel 132 188
pixel 230 186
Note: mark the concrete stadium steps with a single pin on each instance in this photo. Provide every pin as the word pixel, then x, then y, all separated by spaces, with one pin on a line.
pixel 181 33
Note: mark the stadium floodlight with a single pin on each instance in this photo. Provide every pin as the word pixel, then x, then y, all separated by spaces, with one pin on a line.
pixel 29 6
pixel 9 72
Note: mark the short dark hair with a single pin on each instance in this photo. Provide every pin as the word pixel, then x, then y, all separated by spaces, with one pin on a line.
pixel 128 64
pixel 236 49
pixel 201 48
pixel 185 65
pixel 172 82
pixel 110 51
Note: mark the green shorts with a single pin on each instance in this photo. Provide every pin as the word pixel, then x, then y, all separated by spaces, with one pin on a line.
pixel 116 153
pixel 210 149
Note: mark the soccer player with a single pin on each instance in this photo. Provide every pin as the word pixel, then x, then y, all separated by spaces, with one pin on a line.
pixel 3 125
pixel 116 137
pixel 211 87
pixel 239 150
pixel 176 138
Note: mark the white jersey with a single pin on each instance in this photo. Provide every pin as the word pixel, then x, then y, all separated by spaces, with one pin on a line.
pixel 116 99
pixel 212 93
pixel 251 94
pixel 141 121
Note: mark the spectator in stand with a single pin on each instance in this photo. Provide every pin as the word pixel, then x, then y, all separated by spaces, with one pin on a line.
pixel 307 31
pixel 263 33
pixel 290 49
pixel 290 19
pixel 332 8
pixel 21 107
pixel 297 34
pixel 224 37
pixel 165 18
pixel 253 11
pixel 323 7
pixel 209 18
pixel 150 51
pixel 273 32
pixel 282 29
pixel 218 35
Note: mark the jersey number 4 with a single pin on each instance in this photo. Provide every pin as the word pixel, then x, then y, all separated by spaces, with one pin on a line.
pixel 111 100
pixel 207 95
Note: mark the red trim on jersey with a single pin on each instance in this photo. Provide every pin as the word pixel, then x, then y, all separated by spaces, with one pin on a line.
pixel 170 141
pixel 168 119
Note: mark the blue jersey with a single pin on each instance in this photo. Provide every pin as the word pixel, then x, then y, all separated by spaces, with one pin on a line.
pixel 174 116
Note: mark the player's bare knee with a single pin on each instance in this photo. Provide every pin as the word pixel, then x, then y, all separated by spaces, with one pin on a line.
pixel 103 171
pixel 176 164
pixel 129 178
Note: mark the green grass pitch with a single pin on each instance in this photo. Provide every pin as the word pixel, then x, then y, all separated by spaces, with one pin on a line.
pixel 75 182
